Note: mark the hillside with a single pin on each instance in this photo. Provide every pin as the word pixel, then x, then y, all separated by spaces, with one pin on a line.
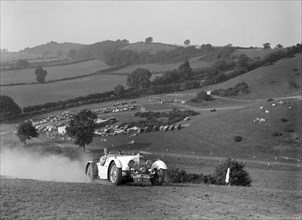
pixel 254 52
pixel 52 48
pixel 195 63
pixel 13 56
pixel 279 79
pixel 152 48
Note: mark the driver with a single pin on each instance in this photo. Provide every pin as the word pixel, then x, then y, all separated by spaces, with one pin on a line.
pixel 103 158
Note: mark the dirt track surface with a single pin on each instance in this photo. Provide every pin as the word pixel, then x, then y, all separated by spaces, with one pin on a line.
pixel 32 199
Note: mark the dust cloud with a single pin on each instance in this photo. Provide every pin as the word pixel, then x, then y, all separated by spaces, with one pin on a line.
pixel 25 164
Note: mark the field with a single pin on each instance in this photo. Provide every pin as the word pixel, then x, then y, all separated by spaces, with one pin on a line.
pixel 195 63
pixel 25 95
pixel 13 56
pixel 151 48
pixel 53 72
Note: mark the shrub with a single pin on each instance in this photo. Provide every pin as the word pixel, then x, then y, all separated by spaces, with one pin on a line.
pixel 202 96
pixel 276 134
pixel 238 138
pixel 289 129
pixel 238 176
pixel 233 91
pixel 181 176
pixel 293 84
pixel 283 120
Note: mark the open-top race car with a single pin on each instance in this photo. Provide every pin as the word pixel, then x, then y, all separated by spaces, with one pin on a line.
pixel 120 166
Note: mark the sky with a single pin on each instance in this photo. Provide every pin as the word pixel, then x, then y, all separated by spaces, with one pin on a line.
pixel 241 23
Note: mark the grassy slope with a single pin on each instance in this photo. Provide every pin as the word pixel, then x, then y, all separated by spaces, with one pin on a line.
pixel 151 47
pixel 195 63
pixel 53 72
pixel 213 133
pixel 269 81
pixel 252 53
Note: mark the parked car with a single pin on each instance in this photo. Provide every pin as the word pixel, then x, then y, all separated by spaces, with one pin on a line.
pixel 120 166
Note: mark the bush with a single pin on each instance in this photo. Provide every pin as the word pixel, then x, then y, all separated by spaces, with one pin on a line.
pixel 202 96
pixel 276 134
pixel 233 91
pixel 238 138
pixel 238 176
pixel 289 129
pixel 283 120
pixel 180 176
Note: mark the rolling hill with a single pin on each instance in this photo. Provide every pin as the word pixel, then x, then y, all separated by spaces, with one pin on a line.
pixel 152 48
pixel 52 48
pixel 279 79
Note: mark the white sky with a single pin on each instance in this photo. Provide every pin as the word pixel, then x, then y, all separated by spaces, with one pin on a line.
pixel 242 23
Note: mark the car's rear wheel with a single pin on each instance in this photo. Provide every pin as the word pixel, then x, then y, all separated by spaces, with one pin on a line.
pixel 115 174
pixel 91 173
pixel 159 177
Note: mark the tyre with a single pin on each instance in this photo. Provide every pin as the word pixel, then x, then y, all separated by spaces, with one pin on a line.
pixel 115 174
pixel 159 177
pixel 91 172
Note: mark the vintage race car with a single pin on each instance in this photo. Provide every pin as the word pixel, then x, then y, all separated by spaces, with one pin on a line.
pixel 118 167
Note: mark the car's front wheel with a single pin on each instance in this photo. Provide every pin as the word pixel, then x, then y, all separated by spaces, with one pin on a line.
pixel 115 174
pixel 159 177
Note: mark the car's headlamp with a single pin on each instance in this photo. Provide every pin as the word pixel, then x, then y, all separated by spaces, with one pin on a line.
pixel 131 163
pixel 142 170
pixel 149 164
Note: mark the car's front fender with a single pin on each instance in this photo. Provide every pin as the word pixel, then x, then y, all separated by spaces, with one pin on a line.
pixel 118 163
pixel 159 164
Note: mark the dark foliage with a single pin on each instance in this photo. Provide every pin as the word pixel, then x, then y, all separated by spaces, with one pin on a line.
pixel 237 138
pixel 26 131
pixel 238 176
pixel 81 127
pixel 181 176
pixel 283 120
pixel 276 134
pixel 233 91
pixel 8 108
pixel 202 96
pixel 139 78
pixel 40 74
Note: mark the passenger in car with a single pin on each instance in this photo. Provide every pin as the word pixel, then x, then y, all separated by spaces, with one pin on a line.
pixel 103 158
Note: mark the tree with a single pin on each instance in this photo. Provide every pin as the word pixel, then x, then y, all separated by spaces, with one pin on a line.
pixel 40 74
pixel 20 64
pixel 118 90
pixel 266 45
pixel 187 42
pixel 185 69
pixel 72 53
pixel 279 46
pixel 149 40
pixel 202 96
pixel 60 53
pixel 26 131
pixel 8 108
pixel 243 61
pixel 139 78
pixel 81 127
